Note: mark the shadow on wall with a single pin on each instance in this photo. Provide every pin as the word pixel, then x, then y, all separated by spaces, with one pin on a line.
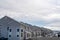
pixel 3 38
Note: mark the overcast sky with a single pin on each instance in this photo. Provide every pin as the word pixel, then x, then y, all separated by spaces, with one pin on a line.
pixel 44 13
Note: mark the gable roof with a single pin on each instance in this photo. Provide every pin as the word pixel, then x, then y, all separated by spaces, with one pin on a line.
pixel 7 20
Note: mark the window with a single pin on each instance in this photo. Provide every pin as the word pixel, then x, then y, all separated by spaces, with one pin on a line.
pixel 21 30
pixel 32 34
pixel 7 28
pixel 25 27
pixel 21 34
pixel 17 30
pixel 17 35
pixel 9 35
pixel 10 30
pixel 28 35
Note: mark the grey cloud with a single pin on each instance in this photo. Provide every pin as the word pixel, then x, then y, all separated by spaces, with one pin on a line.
pixel 35 11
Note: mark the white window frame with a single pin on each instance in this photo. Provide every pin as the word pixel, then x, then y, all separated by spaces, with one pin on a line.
pixel 21 32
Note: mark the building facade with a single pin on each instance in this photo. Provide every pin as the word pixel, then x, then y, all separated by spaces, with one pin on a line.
pixel 13 30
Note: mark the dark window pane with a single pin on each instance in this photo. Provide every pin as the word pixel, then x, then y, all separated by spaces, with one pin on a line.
pixel 21 34
pixel 21 30
pixel 17 30
pixel 7 28
pixel 32 34
pixel 9 35
pixel 10 30
pixel 17 35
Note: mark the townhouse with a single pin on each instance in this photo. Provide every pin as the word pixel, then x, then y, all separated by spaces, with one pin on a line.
pixel 13 30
